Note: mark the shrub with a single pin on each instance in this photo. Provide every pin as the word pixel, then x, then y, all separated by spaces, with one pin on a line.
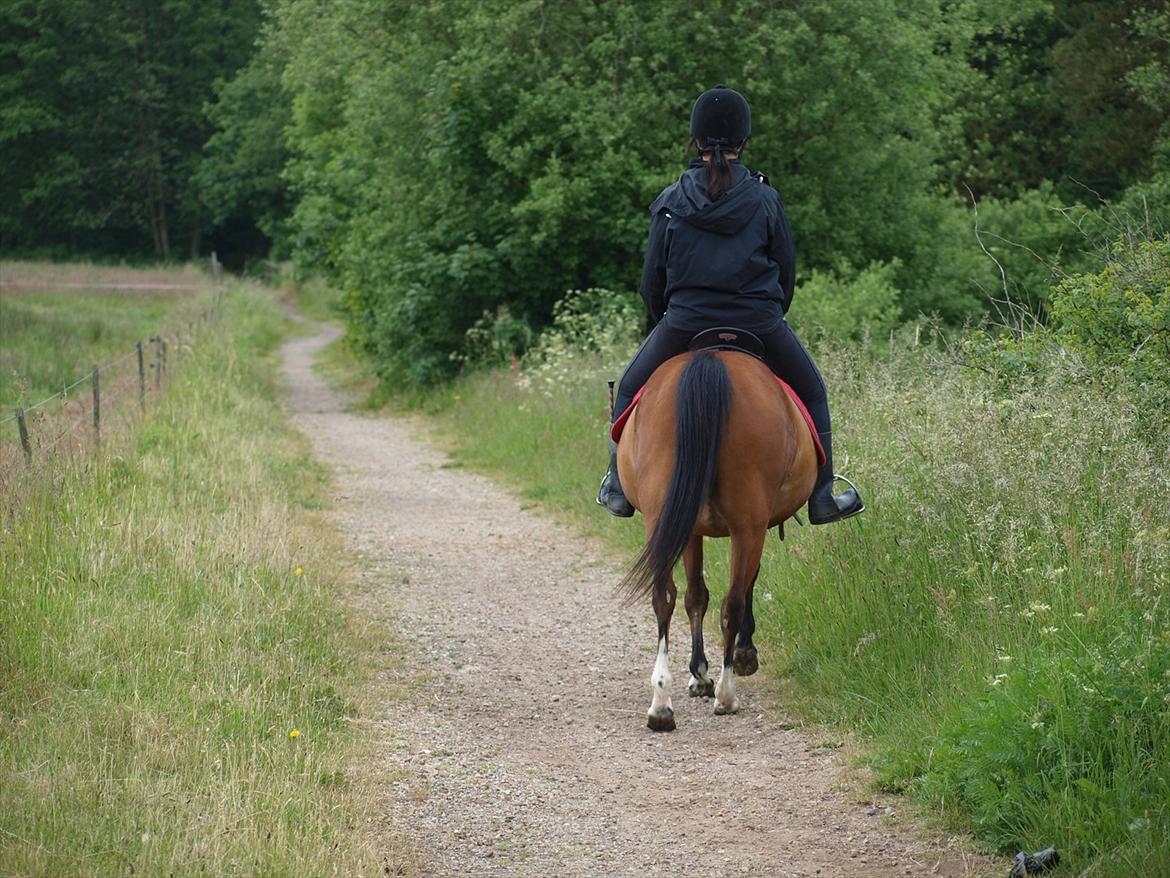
pixel 1120 316
pixel 848 304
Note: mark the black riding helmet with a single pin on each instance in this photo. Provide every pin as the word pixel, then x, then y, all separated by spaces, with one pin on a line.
pixel 721 117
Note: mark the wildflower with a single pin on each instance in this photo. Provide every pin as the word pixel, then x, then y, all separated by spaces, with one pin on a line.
pixel 1051 629
pixel 295 733
pixel 997 679
pixel 300 571
pixel 1004 658
pixel 1038 724
pixel 1078 615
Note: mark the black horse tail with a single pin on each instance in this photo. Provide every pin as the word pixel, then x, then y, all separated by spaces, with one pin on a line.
pixel 702 400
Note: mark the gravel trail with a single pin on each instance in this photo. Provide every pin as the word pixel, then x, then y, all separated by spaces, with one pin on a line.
pixel 521 748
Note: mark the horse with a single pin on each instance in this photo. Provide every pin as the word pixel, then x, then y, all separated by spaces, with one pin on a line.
pixel 714 447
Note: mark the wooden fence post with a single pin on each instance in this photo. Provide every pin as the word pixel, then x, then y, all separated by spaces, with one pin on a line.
pixel 157 362
pixel 97 406
pixel 163 342
pixel 141 376
pixel 23 427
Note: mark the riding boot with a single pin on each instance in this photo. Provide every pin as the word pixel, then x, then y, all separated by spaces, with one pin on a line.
pixel 610 494
pixel 823 507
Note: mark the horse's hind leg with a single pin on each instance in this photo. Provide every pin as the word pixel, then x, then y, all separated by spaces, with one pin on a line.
pixel 696 604
pixel 745 661
pixel 660 717
pixel 746 549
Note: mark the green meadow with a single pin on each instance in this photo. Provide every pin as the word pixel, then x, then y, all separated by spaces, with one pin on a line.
pixel 178 675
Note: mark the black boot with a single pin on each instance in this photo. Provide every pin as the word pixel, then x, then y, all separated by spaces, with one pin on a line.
pixel 610 494
pixel 823 507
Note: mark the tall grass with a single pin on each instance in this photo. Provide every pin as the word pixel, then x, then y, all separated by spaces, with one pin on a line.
pixel 996 624
pixel 54 329
pixel 177 676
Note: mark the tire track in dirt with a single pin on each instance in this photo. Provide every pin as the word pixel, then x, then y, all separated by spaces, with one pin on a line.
pixel 522 748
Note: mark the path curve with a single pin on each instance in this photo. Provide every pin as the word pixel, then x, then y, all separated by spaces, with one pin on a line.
pixel 522 749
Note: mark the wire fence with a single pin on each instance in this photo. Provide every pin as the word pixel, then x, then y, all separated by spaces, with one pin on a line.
pixel 108 398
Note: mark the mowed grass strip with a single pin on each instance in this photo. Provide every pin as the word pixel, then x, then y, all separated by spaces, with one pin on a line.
pixel 995 627
pixel 177 675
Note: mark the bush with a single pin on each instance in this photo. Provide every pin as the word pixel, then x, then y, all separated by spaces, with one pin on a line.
pixel 848 304
pixel 1120 316
pixel 593 333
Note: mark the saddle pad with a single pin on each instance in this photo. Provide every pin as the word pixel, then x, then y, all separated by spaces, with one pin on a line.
pixel 615 431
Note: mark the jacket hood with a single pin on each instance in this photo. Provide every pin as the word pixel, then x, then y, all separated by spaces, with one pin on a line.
pixel 688 200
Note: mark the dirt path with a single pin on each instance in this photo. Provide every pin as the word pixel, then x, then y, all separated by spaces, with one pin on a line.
pixel 522 750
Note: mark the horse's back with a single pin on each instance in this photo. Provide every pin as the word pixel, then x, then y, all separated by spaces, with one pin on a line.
pixel 767 453
pixel 767 461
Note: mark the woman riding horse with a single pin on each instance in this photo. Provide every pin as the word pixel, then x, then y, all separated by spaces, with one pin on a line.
pixel 720 254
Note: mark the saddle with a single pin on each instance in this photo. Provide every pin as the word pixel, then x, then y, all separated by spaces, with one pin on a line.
pixel 728 338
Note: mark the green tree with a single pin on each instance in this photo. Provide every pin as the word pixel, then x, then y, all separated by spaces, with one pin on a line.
pixel 103 123
pixel 452 156
pixel 241 177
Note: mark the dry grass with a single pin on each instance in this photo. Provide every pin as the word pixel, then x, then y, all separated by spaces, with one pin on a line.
pixel 84 275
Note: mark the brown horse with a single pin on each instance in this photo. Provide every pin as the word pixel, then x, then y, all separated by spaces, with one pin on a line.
pixel 715 448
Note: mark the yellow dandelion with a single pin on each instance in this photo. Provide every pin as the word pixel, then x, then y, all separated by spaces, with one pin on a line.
pixel 295 733
pixel 300 571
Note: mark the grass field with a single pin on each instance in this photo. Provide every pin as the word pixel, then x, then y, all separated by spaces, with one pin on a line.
pixel 995 628
pixel 178 676
pixel 57 322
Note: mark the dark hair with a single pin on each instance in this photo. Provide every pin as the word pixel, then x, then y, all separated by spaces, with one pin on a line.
pixel 718 169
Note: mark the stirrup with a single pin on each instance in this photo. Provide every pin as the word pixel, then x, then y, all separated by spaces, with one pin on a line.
pixel 624 510
pixel 838 514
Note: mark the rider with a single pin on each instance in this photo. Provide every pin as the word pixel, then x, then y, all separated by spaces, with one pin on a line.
pixel 720 254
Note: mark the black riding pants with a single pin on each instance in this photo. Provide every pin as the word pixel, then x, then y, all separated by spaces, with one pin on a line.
pixel 785 356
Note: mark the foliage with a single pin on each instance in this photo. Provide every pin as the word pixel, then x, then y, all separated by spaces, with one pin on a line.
pixel 848 304
pixel 241 177
pixel 463 155
pixel 102 122
pixel 599 327
pixel 1120 316
pixel 1030 108
pixel 1110 327
pixel 170 616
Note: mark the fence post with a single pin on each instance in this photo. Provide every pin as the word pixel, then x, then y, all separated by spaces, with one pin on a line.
pixel 23 427
pixel 163 341
pixel 141 376
pixel 97 406
pixel 157 362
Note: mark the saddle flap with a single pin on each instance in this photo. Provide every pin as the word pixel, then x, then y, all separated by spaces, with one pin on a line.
pixel 728 338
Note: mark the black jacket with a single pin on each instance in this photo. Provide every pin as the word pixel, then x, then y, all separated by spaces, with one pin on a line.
pixel 728 262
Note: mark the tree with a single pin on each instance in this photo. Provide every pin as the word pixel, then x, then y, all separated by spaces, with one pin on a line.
pixel 103 123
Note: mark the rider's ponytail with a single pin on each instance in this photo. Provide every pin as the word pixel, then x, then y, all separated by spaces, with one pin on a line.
pixel 718 171
pixel 718 175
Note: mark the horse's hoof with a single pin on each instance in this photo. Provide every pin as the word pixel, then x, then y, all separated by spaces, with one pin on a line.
pixel 701 688
pixel 726 709
pixel 661 722
pixel 745 662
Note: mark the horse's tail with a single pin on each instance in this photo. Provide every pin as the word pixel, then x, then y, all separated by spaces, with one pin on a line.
pixel 702 400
